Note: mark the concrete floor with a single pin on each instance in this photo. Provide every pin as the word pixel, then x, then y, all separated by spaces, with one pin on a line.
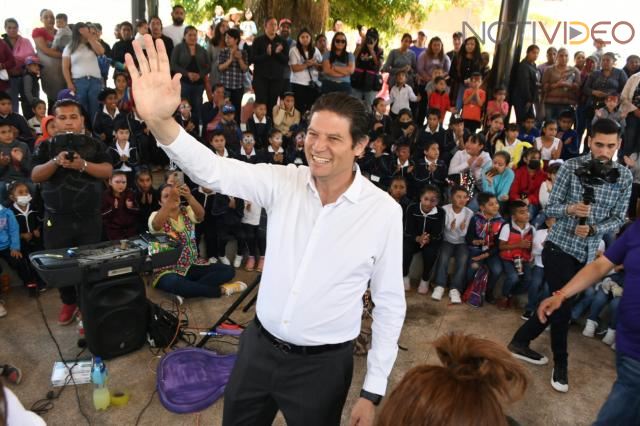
pixel 24 341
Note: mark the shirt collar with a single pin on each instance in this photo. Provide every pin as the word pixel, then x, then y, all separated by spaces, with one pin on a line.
pixel 405 164
pixel 249 154
pixel 433 210
pixel 515 226
pixel 352 193
pixel 24 212
pixel 106 111
pixel 428 129
pixel 258 121
pixel 280 150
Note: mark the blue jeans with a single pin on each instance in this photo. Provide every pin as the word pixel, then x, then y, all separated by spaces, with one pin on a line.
pixel 600 300
pixel 461 255
pixel 512 281
pixel 15 87
pixel 539 219
pixel 87 91
pixel 329 86
pixel 193 93
pixel 538 289
pixel 622 407
pixel 366 96
pixel 495 269
pixel 583 304
pixel 200 281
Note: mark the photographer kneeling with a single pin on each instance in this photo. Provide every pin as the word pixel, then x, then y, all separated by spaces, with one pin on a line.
pixel 605 185
pixel 190 276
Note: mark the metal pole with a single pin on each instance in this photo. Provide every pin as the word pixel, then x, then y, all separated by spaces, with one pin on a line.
pixel 513 16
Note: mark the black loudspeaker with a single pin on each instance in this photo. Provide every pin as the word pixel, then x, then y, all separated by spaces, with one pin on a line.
pixel 114 315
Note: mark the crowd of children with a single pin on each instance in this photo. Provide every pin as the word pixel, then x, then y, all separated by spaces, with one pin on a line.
pixel 473 189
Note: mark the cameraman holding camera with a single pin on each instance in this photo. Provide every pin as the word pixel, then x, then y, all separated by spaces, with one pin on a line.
pixel 71 188
pixel 574 239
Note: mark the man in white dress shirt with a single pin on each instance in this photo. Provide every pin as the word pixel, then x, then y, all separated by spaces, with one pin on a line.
pixel 330 234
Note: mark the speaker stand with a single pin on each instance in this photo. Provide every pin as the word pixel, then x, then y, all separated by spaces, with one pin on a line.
pixel 226 316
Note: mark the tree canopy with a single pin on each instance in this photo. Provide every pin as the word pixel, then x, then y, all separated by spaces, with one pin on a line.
pixel 388 16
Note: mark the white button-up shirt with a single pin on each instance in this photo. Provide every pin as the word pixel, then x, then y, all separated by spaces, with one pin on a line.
pixel 319 259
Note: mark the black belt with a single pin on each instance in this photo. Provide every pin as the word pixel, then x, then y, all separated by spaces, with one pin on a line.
pixel 296 349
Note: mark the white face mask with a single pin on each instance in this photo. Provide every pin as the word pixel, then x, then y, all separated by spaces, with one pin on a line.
pixel 23 200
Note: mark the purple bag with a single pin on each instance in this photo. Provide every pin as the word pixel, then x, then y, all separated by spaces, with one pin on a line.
pixel 476 289
pixel 191 379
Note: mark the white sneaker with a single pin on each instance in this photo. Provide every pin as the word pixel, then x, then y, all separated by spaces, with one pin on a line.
pixel 454 296
pixel 610 337
pixel 423 288
pixel 590 328
pixel 213 260
pixel 3 311
pixel 237 261
pixel 437 293
pixel 224 260
pixel 407 283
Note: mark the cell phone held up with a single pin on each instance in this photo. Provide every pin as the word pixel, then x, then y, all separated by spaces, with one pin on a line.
pixel 178 178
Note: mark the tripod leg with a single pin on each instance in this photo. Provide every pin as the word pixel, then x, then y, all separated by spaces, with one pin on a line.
pixel 225 316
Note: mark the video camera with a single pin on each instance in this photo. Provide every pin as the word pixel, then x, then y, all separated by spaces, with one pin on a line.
pixel 72 143
pixel 597 172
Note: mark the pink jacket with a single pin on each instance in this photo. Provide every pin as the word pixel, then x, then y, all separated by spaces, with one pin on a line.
pixel 21 50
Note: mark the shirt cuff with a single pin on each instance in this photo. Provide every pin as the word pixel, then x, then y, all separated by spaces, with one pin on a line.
pixel 377 385
pixel 179 146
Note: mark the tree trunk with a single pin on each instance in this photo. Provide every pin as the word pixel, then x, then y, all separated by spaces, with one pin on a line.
pixel 310 14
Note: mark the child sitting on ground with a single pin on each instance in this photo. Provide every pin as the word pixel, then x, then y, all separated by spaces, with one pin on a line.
pixel 103 123
pixel 380 120
pixel 516 239
pixel 146 198
pixel 568 136
pixel 231 130
pixel 295 153
pixel 248 152
pixel 528 130
pixel 482 241
pixel 260 125
pixel 511 144
pixel 494 133
pixel 15 159
pixel 123 152
pixel 275 153
pixel 457 218
pixel 30 224
pixel 10 249
pixel 429 169
pixel 286 115
pixel 528 179
pixel 185 120
pixel 497 105
pixel 218 144
pixel 498 179
pixel 423 230
pixel 119 210
pixel 39 112
pixel 548 144
pixel 398 191
pixel 545 192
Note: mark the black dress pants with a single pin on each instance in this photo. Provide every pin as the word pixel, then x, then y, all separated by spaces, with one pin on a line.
pixel 310 390
pixel 559 268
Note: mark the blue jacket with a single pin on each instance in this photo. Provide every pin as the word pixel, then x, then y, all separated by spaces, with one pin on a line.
pixel 9 230
pixel 501 183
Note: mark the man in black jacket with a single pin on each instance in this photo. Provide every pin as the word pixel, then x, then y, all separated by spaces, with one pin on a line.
pixel 524 88
pixel 270 56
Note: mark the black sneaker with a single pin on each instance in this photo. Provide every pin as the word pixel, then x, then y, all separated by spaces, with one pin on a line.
pixel 526 316
pixel 560 378
pixel 527 354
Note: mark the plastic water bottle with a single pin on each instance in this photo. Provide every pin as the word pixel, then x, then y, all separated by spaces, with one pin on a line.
pixel 99 375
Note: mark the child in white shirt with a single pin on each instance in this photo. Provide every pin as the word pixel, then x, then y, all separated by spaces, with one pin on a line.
pixel 401 95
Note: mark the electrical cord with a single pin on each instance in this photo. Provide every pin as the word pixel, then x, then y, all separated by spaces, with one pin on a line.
pixel 145 407
pixel 73 380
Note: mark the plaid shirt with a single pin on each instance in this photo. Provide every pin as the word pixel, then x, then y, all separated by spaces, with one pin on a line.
pixel 233 77
pixel 607 211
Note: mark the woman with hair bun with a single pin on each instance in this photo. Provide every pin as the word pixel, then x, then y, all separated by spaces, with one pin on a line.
pixel 476 377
